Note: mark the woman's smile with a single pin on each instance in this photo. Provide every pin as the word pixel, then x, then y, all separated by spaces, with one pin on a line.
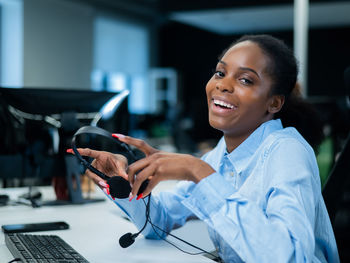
pixel 221 106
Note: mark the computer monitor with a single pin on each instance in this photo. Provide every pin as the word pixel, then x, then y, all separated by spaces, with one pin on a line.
pixel 37 126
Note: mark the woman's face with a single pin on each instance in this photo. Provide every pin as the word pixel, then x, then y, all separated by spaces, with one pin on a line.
pixel 239 92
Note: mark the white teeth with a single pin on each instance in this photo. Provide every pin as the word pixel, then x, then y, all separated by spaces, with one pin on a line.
pixel 223 104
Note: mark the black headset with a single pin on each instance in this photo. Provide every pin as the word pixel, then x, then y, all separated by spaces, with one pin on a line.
pixel 120 188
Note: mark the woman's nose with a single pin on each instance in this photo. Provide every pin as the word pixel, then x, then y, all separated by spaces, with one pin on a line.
pixel 224 87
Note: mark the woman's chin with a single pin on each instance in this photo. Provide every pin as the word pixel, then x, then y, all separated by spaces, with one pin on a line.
pixel 220 126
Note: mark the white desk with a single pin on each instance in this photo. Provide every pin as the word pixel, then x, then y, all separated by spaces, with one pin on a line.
pixel 95 230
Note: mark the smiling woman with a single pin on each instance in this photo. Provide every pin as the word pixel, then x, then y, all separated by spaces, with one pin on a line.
pixel 259 189
pixel 261 76
pixel 241 80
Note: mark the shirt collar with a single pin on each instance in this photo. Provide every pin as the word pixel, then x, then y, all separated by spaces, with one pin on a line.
pixel 240 157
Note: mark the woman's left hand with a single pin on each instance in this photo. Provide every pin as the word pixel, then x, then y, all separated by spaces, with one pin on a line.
pixel 161 166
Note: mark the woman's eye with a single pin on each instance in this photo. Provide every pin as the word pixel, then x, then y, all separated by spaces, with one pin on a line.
pixel 219 73
pixel 246 81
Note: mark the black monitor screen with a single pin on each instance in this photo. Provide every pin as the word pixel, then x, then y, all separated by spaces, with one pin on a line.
pixel 27 143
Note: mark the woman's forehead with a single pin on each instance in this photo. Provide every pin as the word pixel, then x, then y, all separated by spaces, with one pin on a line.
pixel 246 54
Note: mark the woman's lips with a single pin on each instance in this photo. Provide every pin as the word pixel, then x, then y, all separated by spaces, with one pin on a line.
pixel 221 107
pixel 223 104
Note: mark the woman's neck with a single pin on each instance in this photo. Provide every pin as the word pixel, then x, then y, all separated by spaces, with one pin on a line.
pixel 232 142
pixel 234 139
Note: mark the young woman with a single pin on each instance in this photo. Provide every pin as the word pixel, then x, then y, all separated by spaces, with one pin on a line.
pixel 259 189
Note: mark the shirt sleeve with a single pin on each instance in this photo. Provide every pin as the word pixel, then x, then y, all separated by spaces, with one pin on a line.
pixel 281 230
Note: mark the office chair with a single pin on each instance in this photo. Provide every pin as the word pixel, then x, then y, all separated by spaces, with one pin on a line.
pixel 336 192
pixel 338 182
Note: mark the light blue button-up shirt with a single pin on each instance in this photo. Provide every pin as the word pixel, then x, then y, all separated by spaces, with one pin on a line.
pixel 263 204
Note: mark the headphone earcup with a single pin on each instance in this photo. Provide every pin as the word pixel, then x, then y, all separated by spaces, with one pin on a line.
pixel 120 188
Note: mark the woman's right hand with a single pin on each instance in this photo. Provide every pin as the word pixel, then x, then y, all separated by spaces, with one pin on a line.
pixel 108 163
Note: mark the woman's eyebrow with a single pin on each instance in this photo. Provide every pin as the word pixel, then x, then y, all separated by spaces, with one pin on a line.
pixel 241 68
pixel 251 70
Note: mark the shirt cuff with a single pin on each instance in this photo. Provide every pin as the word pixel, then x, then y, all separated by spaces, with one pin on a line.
pixel 209 195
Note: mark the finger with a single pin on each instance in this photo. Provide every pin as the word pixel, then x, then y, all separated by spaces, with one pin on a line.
pixel 141 177
pixel 153 181
pixel 88 152
pixel 105 187
pixel 70 150
pixel 100 182
pixel 138 143
pixel 137 167
pixel 92 176
pixel 103 184
pixel 121 166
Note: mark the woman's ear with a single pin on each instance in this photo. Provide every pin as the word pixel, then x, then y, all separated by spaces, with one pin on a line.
pixel 276 103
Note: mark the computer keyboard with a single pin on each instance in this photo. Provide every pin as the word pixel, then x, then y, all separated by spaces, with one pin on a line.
pixel 41 248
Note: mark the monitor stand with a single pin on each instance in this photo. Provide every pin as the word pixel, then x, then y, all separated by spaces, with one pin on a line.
pixel 73 173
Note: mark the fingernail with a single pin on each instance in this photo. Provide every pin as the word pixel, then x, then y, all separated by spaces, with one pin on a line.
pixel 103 184
pixel 113 198
pixel 107 191
pixel 131 197
pixel 139 196
pixel 118 135
pixel 69 150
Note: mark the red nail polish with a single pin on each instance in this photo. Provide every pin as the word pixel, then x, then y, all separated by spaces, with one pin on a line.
pixel 69 150
pixel 108 190
pixel 118 135
pixel 139 196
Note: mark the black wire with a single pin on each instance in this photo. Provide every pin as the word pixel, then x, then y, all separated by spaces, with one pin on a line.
pixel 184 251
pixel 147 212
pixel 148 219
pixel 14 260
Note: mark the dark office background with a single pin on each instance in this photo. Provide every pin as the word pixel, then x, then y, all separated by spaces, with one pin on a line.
pixel 192 52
